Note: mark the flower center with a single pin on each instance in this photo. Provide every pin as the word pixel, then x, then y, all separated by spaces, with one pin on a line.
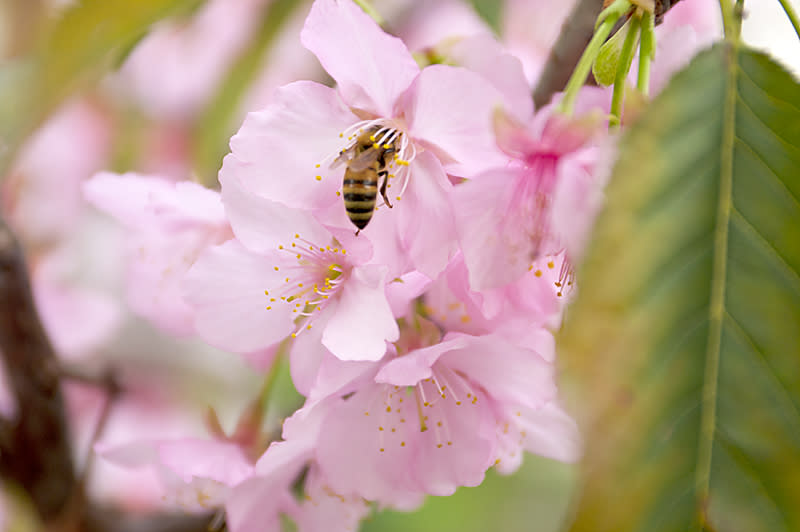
pixel 314 276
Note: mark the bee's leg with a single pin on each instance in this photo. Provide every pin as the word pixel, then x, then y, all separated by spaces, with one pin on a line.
pixel 385 175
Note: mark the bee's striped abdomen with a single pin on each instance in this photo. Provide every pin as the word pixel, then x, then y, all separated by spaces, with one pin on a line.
pixel 359 190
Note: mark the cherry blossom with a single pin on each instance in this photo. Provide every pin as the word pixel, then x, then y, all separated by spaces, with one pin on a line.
pixel 169 225
pixel 437 118
pixel 283 274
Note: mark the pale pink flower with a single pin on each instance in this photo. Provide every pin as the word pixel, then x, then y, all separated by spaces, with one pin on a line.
pixel 536 299
pixel 256 504
pixel 429 420
pixel 196 475
pixel 285 273
pixel 169 224
pixel 423 28
pixel 439 118
pixel 176 68
pixel 78 319
pixel 42 199
pixel 505 215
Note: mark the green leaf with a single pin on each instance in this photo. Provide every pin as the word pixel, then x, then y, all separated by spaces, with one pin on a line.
pixel 87 40
pixel 218 120
pixel 681 352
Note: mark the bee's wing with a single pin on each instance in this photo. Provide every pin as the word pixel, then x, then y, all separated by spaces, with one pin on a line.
pixel 344 156
pixel 364 160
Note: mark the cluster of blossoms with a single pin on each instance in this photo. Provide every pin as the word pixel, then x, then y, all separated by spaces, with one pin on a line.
pixel 423 344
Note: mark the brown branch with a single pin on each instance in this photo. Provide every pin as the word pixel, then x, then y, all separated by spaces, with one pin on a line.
pixel 575 35
pixel 34 447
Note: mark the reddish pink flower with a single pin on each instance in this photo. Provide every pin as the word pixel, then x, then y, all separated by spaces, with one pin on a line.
pixel 505 216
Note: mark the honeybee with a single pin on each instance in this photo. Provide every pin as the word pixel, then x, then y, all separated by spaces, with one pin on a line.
pixel 367 163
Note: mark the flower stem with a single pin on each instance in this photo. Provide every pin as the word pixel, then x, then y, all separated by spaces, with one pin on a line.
pixel 728 22
pixel 624 65
pixel 790 12
pixel 578 78
pixel 647 50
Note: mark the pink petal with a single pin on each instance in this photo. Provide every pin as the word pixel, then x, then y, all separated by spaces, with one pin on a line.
pixel 507 372
pixel 484 55
pixel 151 201
pixel 261 225
pixel 349 455
pixel 496 250
pixel 363 321
pixel 414 367
pixel 551 432
pixel 450 110
pixel 255 505
pixel 226 288
pixel 323 510
pixel 426 218
pixel 277 151
pixel 371 68
pixel 219 461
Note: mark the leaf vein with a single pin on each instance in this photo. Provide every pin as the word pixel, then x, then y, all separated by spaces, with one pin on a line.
pixel 766 93
pixel 737 327
pixel 761 121
pixel 770 248
pixel 771 171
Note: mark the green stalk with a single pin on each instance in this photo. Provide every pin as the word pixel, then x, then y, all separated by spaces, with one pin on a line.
pixel 647 50
pixel 790 12
pixel 625 57
pixel 581 72
pixel 728 19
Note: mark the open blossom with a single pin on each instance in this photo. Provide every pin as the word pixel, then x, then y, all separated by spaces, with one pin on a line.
pixel 435 414
pixel 505 215
pixel 284 274
pixel 437 119
pixel 169 224
pixel 196 475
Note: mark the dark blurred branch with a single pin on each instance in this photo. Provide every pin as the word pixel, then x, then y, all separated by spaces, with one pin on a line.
pixel 34 447
pixel 575 35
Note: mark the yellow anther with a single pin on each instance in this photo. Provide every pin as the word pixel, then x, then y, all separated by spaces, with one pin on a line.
pixel 280 246
pixel 269 308
pixel 266 292
pixel 551 265
pixel 319 178
pixel 538 273
pixel 376 146
pixel 308 327
pixel 276 268
pixel 317 165
pixel 294 335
